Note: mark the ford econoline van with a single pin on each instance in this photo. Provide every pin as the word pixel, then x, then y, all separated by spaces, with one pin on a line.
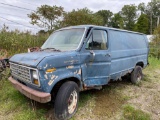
pixel 75 59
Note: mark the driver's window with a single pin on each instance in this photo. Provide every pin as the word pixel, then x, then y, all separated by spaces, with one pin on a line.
pixel 97 40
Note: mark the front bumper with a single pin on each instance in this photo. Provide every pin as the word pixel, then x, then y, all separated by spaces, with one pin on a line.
pixel 38 96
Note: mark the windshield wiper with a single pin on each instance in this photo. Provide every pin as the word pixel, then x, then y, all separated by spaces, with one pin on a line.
pixel 51 49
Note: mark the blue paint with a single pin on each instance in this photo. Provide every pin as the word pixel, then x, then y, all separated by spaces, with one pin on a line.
pixel 124 49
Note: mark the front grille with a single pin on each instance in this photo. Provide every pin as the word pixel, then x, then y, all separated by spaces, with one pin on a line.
pixel 20 72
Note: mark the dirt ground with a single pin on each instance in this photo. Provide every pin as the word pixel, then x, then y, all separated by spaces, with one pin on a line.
pixel 107 104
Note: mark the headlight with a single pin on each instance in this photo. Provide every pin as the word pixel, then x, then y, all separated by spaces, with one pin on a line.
pixel 35 75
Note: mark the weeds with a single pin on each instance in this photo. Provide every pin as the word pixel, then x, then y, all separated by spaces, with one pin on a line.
pixel 18 42
pixel 130 113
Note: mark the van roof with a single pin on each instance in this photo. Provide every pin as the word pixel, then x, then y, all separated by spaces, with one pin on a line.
pixel 96 26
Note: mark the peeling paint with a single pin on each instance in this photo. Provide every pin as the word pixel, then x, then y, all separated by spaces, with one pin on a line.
pixel 46 76
pixel 71 61
pixel 53 77
pixel 50 82
pixel 70 67
pixel 46 66
pixel 75 72
pixel 79 72
pixel 56 77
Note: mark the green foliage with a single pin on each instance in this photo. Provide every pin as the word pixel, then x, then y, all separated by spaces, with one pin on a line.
pixel 117 21
pixel 4 74
pixel 154 62
pixel 155 44
pixel 106 15
pixel 142 24
pixel 129 15
pixel 130 113
pixel 81 16
pixel 152 10
pixel 16 106
pixel 142 8
pixel 47 16
pixel 18 42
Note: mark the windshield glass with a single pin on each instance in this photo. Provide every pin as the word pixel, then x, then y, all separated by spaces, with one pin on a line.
pixel 64 40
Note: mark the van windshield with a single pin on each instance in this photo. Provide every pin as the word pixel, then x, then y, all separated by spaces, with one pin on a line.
pixel 64 40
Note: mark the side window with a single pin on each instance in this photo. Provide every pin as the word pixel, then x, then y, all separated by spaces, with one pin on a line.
pixel 97 40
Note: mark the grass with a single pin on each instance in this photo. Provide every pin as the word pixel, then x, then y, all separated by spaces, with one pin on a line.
pixel 14 105
pixel 130 113
pixel 154 63
pixel 105 103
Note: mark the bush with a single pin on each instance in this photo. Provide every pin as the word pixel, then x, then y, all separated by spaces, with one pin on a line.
pixel 18 42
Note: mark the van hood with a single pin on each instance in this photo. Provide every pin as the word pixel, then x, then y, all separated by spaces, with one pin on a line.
pixel 32 58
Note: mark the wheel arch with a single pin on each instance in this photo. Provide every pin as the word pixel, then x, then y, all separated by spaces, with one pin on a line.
pixel 140 64
pixel 60 82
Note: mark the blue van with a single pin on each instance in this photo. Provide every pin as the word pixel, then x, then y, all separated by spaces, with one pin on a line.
pixel 75 59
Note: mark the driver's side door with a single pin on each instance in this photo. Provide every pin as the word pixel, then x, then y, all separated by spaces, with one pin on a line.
pixel 96 68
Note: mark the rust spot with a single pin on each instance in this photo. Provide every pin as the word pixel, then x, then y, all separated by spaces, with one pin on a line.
pixel 33 49
pixel 35 60
pixel 31 93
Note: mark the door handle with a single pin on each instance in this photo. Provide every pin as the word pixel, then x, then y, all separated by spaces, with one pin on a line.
pixel 93 55
pixel 109 55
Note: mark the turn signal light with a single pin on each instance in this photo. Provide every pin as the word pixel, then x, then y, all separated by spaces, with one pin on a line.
pixel 35 82
pixel 51 70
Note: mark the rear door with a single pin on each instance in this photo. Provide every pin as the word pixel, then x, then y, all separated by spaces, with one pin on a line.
pixel 98 59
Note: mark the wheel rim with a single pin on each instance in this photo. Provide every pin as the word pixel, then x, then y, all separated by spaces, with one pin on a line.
pixel 72 102
pixel 139 76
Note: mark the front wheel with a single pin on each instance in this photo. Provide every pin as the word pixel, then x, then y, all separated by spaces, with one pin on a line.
pixel 66 102
pixel 136 75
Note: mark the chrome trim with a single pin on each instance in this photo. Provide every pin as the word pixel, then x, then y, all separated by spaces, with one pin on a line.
pixel 30 77
pixel 80 43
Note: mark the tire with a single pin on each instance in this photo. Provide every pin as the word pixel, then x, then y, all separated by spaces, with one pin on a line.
pixel 136 75
pixel 66 102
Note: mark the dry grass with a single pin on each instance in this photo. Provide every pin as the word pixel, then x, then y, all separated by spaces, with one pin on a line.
pixel 117 101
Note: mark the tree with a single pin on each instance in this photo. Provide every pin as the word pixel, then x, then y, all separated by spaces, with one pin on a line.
pixel 142 8
pixel 129 15
pixel 142 24
pixel 81 16
pixel 156 39
pixel 152 10
pixel 117 21
pixel 106 15
pixel 155 50
pixel 47 16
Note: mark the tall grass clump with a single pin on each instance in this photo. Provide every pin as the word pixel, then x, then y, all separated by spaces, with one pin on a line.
pixel 18 42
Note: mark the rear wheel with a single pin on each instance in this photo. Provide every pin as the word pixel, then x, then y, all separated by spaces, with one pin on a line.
pixel 136 75
pixel 66 102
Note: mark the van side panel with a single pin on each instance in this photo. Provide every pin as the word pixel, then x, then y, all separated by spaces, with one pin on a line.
pixel 127 49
